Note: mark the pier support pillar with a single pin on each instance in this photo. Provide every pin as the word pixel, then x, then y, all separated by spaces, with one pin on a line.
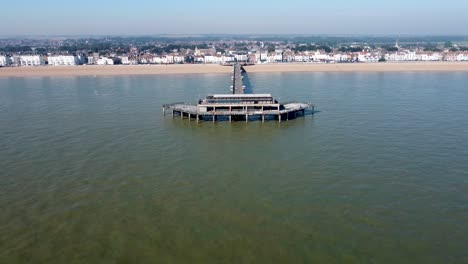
pixel 263 118
pixel 198 119
pixel 172 113
pixel 246 118
pixel 181 115
pixel 189 116
pixel 164 111
pixel 214 118
pixel 279 118
pixel 230 118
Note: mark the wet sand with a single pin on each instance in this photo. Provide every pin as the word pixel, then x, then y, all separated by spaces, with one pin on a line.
pixel 95 70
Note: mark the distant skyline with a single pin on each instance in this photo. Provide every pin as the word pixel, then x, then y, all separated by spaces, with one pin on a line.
pixel 145 17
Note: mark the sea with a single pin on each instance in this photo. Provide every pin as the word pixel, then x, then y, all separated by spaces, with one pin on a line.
pixel 92 172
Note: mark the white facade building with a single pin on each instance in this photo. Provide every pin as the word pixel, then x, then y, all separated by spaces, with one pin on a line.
pixel 4 61
pixel 157 60
pixel 124 60
pixel 105 61
pixel 179 59
pixel 199 59
pixel 241 57
pixel 321 57
pixel 31 60
pixel 63 60
pixel 368 57
pixel 462 57
pixel 278 57
pixel 227 59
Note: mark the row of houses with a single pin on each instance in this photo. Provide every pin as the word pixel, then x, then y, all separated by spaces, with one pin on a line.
pixel 37 60
pixel 54 60
pixel 253 57
pixel 320 56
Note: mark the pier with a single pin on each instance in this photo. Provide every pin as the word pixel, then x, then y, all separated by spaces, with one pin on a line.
pixel 237 86
pixel 238 105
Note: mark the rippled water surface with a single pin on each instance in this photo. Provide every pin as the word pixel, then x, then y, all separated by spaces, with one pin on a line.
pixel 91 172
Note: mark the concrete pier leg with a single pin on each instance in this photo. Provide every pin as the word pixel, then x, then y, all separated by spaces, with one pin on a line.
pixel 198 119
pixel 263 118
pixel 181 115
pixel 164 111
pixel 287 116
pixel 214 118
pixel 279 118
pixel 246 118
pixel 172 113
pixel 230 118
pixel 189 116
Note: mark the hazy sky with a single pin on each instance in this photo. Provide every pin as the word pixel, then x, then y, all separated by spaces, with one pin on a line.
pixel 61 17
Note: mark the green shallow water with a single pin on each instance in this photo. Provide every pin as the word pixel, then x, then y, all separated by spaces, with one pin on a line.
pixel 91 172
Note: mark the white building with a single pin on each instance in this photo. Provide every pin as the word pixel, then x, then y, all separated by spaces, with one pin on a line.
pixel 124 60
pixel 227 59
pixel 179 59
pixel 210 59
pixel 63 60
pixel 321 57
pixel 168 59
pixel 4 61
pixel 462 57
pixel 199 59
pixel 341 57
pixel 31 60
pixel 299 58
pixel 241 57
pixel 278 56
pixel 105 61
pixel 157 60
pixel 429 57
pixel 368 57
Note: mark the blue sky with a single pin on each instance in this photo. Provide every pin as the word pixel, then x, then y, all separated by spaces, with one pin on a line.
pixel 61 17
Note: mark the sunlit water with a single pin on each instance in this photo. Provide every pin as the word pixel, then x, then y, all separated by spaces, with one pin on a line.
pixel 91 172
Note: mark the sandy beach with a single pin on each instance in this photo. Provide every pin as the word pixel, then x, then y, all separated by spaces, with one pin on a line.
pixel 113 70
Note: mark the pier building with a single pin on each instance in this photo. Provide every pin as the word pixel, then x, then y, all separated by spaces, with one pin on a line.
pixel 238 105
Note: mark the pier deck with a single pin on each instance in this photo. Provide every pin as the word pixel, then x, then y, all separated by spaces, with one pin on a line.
pixel 284 112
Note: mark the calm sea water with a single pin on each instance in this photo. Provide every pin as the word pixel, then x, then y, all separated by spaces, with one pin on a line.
pixel 91 172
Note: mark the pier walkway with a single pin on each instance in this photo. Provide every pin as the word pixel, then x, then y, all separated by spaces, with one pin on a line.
pixel 237 77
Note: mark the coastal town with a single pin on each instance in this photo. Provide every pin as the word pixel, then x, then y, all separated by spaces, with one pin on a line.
pixel 115 51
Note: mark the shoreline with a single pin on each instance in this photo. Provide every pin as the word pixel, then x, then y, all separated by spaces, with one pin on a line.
pixel 120 70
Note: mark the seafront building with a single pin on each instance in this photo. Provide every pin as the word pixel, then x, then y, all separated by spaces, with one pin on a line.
pixel 31 60
pixel 105 61
pixel 462 57
pixel 63 60
pixel 4 61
